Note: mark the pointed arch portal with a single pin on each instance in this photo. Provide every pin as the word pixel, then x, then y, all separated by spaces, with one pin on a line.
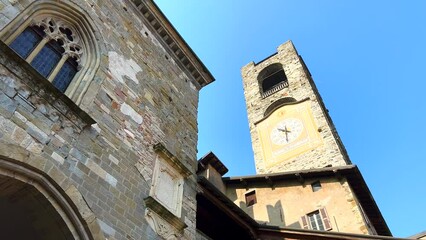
pixel 34 207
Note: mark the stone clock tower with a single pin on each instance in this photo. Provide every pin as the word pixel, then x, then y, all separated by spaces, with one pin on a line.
pixel 289 124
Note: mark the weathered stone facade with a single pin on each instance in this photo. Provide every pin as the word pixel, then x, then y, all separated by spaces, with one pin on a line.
pixel 101 147
pixel 300 87
pixel 114 155
pixel 304 176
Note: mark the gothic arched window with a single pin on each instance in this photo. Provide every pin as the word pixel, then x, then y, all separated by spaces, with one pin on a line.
pixel 58 40
pixel 53 49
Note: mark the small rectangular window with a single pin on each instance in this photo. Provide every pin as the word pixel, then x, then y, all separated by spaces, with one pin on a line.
pixel 316 186
pixel 317 220
pixel 251 198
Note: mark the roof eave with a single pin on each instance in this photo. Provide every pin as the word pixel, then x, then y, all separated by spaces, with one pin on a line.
pixel 350 172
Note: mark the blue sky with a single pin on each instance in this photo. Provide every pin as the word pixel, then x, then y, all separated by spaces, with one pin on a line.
pixel 368 61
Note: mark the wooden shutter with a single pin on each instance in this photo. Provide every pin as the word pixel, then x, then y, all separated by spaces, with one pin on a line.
pixel 304 221
pixel 325 219
pixel 251 198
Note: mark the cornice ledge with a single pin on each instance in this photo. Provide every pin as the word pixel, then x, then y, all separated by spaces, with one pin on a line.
pixel 180 50
pixel 172 159
pixel 163 213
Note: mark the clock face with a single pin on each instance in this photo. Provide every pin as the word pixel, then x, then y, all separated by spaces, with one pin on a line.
pixel 286 131
pixel 286 134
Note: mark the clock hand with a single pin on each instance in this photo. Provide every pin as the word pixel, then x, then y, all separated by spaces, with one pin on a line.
pixel 286 131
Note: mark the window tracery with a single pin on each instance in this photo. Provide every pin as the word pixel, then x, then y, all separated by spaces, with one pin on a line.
pixel 53 49
pixel 58 40
pixel 60 31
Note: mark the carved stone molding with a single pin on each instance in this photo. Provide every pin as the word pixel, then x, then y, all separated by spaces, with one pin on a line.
pixel 78 219
pixel 172 41
pixel 153 205
pixel 169 230
pixel 167 186
pixel 55 16
pixel 164 203
pixel 59 30
pixel 160 149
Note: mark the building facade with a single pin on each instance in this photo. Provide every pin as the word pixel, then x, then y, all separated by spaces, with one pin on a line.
pixel 305 180
pixel 98 121
pixel 98 136
pixel 280 92
pixel 291 131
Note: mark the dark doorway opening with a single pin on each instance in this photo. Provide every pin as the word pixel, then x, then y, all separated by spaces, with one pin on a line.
pixel 27 214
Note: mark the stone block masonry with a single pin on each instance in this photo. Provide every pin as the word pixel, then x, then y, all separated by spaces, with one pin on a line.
pixel 300 87
pixel 137 98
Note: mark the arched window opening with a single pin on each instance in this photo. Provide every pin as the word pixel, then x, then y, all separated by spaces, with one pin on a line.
pixel 272 79
pixel 43 26
pixel 52 49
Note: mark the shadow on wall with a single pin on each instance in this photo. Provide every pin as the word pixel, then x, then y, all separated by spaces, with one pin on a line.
pixel 294 225
pixel 248 210
pixel 232 194
pixel 276 214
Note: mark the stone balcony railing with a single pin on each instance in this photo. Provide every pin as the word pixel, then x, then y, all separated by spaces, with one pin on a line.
pixel 275 89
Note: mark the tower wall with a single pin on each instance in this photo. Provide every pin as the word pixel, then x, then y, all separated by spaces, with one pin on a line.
pixel 300 87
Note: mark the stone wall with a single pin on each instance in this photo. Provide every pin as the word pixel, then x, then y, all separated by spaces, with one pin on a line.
pixel 300 87
pixel 139 97
pixel 211 174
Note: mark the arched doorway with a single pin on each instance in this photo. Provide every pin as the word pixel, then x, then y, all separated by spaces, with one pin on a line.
pixel 34 207
pixel 27 214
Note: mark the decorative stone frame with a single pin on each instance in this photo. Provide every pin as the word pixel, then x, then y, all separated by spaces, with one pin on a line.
pixel 163 212
pixel 167 186
pixel 73 18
